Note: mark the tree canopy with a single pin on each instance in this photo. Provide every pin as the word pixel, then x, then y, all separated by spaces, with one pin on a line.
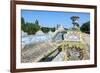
pixel 32 28
pixel 22 20
pixel 85 27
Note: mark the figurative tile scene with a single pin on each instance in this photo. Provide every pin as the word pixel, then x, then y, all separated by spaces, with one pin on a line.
pixel 53 36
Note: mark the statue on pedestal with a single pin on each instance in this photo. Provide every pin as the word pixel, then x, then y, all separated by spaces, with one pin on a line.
pixel 75 21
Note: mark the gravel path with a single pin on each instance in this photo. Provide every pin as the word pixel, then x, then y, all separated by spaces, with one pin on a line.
pixel 86 40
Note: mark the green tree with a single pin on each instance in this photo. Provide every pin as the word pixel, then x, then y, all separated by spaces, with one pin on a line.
pixel 32 28
pixel 23 27
pixel 45 29
pixel 53 29
pixel 37 22
pixel 22 20
pixel 85 27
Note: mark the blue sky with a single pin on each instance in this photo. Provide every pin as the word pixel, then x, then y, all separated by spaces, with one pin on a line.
pixel 52 18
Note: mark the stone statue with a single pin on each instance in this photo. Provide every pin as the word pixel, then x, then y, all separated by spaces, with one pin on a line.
pixel 75 21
